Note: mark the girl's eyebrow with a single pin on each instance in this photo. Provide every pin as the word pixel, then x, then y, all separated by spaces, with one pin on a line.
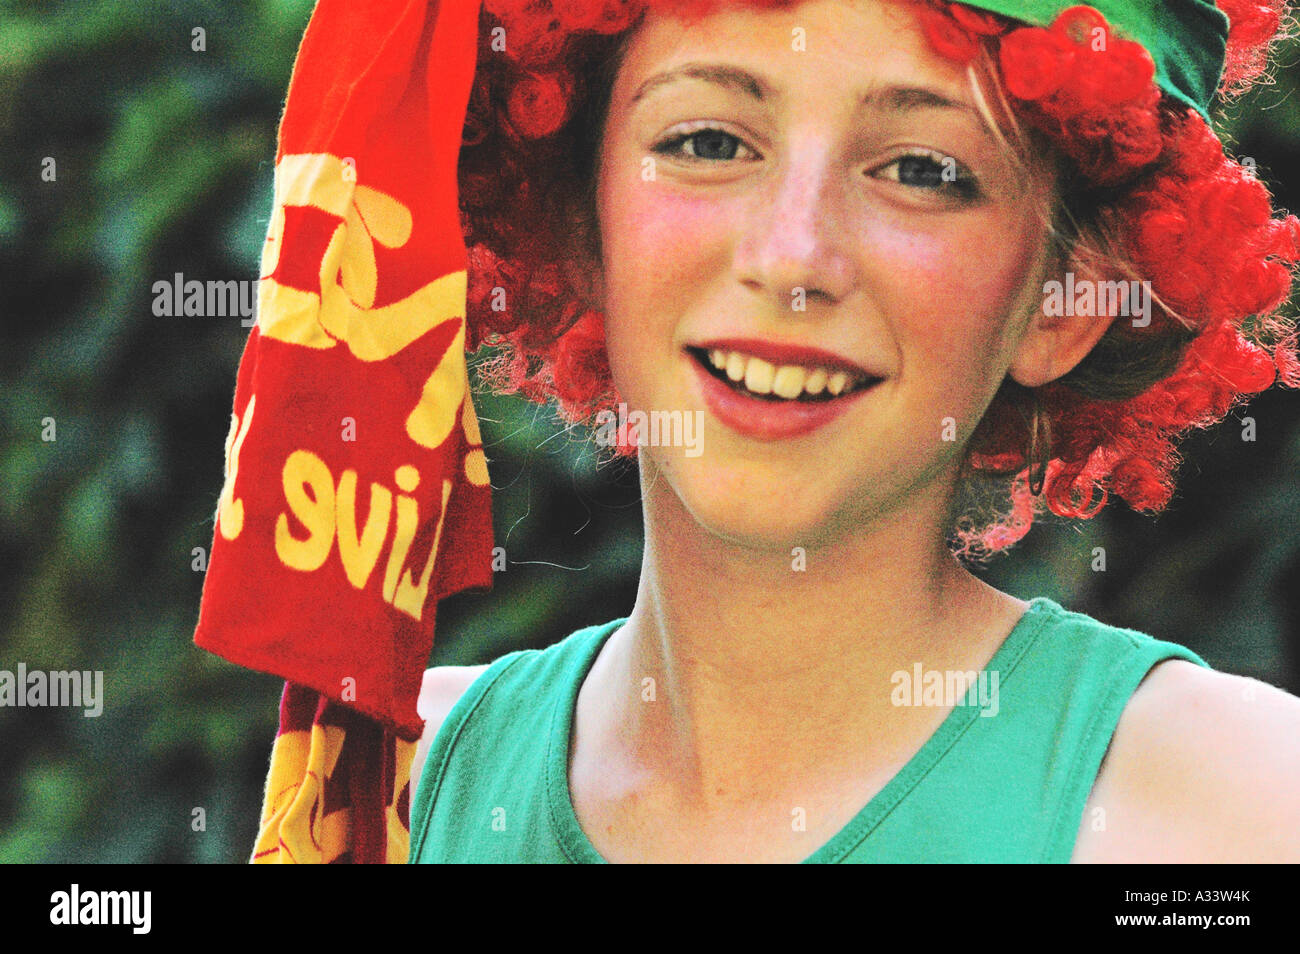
pixel 731 77
pixel 891 98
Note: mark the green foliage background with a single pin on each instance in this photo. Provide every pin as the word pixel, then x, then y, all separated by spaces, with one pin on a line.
pixel 164 164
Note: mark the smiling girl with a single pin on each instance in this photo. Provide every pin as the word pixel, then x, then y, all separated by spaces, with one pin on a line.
pixel 827 227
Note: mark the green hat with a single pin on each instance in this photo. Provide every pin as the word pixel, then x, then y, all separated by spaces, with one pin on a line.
pixel 1186 38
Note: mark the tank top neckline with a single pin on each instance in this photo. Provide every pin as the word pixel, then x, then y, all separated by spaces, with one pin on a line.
pixel 578 848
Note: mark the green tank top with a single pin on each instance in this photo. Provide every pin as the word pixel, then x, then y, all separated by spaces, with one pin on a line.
pixel 1010 788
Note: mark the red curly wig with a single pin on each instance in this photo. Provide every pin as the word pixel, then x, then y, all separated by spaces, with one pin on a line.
pixel 1138 166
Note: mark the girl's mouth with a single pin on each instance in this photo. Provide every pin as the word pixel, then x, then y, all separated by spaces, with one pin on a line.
pixel 759 379
pixel 752 400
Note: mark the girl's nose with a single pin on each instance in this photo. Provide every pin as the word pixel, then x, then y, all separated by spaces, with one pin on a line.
pixel 794 235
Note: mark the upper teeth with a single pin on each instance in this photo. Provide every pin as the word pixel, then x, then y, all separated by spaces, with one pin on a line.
pixel 787 380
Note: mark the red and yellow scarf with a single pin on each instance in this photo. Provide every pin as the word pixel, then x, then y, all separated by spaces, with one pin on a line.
pixel 356 492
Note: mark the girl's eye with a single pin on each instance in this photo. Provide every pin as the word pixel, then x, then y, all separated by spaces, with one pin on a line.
pixel 928 171
pixel 707 144
pixel 932 172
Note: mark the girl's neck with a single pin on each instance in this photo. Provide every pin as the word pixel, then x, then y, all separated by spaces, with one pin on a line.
pixel 738 662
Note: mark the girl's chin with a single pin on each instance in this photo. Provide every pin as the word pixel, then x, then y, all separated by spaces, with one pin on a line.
pixel 786 540
pixel 778 519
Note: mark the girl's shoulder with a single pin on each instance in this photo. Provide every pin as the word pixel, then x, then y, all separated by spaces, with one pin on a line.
pixel 440 690
pixel 1203 767
pixel 444 686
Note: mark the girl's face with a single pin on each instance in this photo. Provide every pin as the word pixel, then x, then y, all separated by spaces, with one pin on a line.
pixel 810 178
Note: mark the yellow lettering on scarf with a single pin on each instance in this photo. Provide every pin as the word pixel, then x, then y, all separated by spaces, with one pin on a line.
pixel 444 391
pixel 360 555
pixel 344 310
pixel 476 468
pixel 376 334
pixel 411 596
pixel 326 512
pixel 230 510
pixel 303 470
pixel 408 520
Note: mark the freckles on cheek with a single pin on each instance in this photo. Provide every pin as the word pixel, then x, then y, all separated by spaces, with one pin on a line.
pixel 661 234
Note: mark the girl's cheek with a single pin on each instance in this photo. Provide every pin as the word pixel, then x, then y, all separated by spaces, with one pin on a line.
pixel 667 223
pixel 950 290
pixel 662 245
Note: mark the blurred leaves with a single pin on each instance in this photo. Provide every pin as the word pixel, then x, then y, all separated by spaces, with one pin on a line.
pixel 162 155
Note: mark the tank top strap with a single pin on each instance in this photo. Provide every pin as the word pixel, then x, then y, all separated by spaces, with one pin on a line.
pixel 483 794
pixel 1013 777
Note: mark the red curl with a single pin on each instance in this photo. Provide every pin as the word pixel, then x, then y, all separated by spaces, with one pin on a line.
pixel 539 104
